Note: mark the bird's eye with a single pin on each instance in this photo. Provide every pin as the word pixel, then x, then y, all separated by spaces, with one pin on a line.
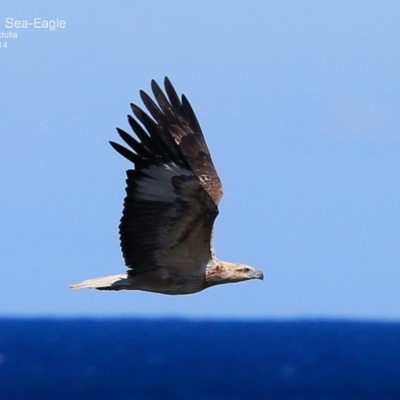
pixel 246 269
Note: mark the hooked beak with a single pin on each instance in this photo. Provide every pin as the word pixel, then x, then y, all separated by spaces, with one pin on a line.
pixel 258 275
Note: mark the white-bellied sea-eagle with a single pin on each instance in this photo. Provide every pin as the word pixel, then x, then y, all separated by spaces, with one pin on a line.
pixel 171 203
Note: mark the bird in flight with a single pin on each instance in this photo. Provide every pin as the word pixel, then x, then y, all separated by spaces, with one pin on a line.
pixel 172 197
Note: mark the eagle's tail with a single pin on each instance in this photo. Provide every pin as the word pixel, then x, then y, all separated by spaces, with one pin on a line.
pixel 112 282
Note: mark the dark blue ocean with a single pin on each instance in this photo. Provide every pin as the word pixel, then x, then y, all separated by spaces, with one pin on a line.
pixel 185 359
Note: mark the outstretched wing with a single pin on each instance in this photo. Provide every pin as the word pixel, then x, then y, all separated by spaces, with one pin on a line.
pixel 174 190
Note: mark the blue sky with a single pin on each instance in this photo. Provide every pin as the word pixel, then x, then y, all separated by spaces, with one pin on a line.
pixel 299 102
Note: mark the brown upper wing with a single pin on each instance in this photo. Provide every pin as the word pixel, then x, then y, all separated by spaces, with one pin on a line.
pixel 178 118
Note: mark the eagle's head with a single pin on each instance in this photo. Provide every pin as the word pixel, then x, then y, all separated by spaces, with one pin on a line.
pixel 227 272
